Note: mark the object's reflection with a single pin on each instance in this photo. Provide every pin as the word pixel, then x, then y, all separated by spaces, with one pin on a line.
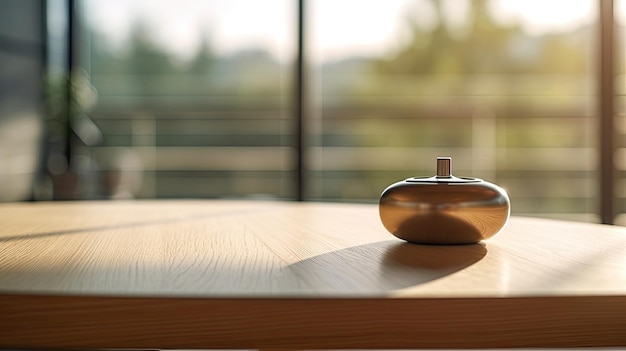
pixel 383 266
pixel 442 228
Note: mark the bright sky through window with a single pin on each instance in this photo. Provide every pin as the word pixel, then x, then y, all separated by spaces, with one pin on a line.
pixel 342 28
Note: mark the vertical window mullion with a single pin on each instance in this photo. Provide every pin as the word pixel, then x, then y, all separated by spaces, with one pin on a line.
pixel 299 104
pixel 606 101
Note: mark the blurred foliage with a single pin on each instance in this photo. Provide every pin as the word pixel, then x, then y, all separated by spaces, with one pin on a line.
pixel 441 59
pixel 144 68
pixel 486 47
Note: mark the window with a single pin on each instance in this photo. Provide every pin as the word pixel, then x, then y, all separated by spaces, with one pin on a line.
pixel 511 97
pixel 196 99
pixel 193 97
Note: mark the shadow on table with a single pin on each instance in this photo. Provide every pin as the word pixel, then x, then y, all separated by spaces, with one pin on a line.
pixel 131 224
pixel 384 266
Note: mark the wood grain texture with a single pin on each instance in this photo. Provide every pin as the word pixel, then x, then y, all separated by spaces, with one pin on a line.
pixel 315 323
pixel 228 274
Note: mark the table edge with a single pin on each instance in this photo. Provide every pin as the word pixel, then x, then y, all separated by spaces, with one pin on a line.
pixel 48 321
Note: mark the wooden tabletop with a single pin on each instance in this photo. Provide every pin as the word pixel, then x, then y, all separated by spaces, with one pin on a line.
pixel 230 274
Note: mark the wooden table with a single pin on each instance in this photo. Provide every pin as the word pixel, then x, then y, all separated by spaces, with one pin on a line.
pixel 227 274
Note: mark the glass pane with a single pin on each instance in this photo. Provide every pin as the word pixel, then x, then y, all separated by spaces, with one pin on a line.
pixel 191 98
pixel 506 88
